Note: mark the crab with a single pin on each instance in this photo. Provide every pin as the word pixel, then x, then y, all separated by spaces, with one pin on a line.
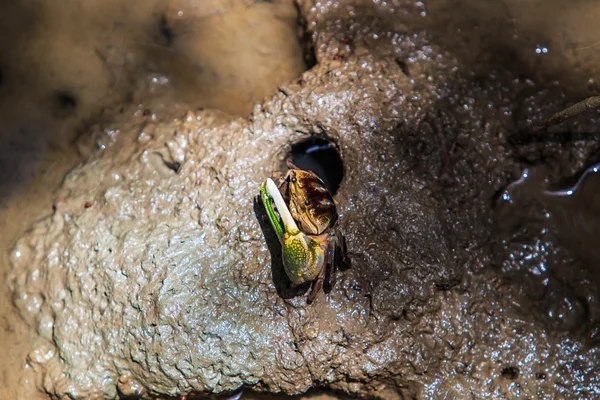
pixel 313 247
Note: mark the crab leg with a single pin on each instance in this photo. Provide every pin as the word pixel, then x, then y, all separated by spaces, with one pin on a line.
pixel 317 286
pixel 332 260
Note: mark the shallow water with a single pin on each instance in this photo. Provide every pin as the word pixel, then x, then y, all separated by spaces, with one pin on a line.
pixel 569 211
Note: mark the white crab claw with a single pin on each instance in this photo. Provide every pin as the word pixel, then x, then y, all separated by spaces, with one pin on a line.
pixel 284 213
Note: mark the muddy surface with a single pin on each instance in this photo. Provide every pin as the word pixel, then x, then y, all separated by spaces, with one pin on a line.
pixel 153 271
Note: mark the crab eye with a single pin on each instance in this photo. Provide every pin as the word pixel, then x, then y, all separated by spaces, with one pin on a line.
pixel 307 202
pixel 294 179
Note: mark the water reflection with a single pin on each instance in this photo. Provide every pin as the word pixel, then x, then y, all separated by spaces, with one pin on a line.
pixel 573 213
pixel 549 243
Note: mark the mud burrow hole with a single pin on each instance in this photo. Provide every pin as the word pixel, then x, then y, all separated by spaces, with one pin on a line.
pixel 322 157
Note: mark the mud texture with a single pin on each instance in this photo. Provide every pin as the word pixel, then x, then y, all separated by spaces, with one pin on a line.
pixel 157 272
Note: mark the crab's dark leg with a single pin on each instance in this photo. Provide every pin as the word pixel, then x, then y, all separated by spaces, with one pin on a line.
pixel 331 260
pixel 327 273
pixel 344 258
pixel 290 164
pixel 335 255
pixel 317 286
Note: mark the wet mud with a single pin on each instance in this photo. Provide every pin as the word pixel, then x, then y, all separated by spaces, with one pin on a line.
pixel 139 262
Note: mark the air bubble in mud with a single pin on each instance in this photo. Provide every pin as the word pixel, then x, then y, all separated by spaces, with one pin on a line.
pixel 321 157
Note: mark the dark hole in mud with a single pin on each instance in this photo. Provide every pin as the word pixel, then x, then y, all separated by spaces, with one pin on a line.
pixel 403 67
pixel 511 373
pixel 65 103
pixel 165 31
pixel 321 157
pixel 540 375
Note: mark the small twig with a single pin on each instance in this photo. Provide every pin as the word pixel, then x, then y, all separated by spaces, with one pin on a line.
pixel 591 103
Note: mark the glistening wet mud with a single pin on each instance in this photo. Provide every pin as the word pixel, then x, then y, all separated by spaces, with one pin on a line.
pixel 561 220
pixel 455 292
